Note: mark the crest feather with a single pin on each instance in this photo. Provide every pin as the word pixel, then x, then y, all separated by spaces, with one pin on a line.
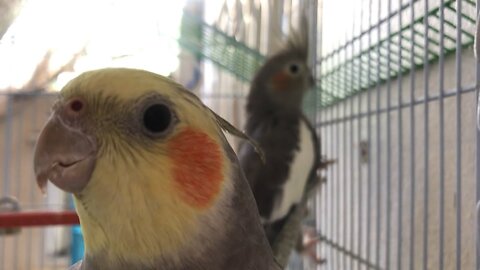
pixel 297 40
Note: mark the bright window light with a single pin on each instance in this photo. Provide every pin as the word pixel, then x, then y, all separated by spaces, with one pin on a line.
pixel 129 33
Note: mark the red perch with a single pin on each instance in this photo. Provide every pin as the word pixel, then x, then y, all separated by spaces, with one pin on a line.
pixel 37 218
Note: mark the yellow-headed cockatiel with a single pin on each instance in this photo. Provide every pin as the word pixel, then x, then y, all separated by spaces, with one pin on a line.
pixel 156 185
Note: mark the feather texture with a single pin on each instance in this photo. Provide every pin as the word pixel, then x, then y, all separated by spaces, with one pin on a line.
pixel 174 199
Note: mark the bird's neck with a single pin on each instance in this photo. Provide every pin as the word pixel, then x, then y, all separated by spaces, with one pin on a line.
pixel 260 105
pixel 138 223
pixel 141 226
pixel 272 115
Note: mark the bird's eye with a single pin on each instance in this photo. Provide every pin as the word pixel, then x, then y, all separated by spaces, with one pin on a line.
pixel 157 118
pixel 294 69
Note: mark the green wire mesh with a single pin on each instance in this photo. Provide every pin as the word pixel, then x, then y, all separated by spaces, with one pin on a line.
pixel 348 76
pixel 206 41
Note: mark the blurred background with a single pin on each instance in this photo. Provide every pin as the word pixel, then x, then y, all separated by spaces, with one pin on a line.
pixel 394 103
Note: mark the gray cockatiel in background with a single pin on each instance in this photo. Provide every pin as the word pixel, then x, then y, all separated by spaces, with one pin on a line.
pixel 276 121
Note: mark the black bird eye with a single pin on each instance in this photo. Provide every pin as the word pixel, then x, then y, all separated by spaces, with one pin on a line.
pixel 157 118
pixel 294 69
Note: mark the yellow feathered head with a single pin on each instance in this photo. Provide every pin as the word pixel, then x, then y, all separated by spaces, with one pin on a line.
pixel 145 159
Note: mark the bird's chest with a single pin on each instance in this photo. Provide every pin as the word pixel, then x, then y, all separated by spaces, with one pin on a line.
pixel 279 132
pixel 299 168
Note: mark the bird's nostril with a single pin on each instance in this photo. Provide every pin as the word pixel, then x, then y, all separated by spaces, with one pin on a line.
pixel 76 105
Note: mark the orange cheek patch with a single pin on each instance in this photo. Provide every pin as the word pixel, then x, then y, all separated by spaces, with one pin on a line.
pixel 197 167
pixel 280 81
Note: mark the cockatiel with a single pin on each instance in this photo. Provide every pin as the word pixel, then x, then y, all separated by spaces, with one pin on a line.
pixel 275 120
pixel 155 183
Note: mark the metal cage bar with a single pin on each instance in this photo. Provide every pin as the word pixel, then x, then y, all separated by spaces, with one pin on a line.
pixel 358 163
pixel 345 168
pixel 400 159
pixel 426 141
pixel 389 143
pixel 406 118
pixel 477 142
pixel 441 82
pixel 351 205
pixel 458 98
pixel 369 138
pixel 379 183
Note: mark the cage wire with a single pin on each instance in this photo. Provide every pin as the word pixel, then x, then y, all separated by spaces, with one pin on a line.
pixel 394 104
pixel 397 106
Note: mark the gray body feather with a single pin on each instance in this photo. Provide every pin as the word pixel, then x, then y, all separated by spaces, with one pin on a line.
pixel 278 137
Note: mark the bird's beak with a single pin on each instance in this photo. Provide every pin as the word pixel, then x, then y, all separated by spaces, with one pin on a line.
pixel 64 155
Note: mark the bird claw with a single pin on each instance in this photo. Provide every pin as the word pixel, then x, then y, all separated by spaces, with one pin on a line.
pixel 324 163
pixel 310 241
pixel 311 252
